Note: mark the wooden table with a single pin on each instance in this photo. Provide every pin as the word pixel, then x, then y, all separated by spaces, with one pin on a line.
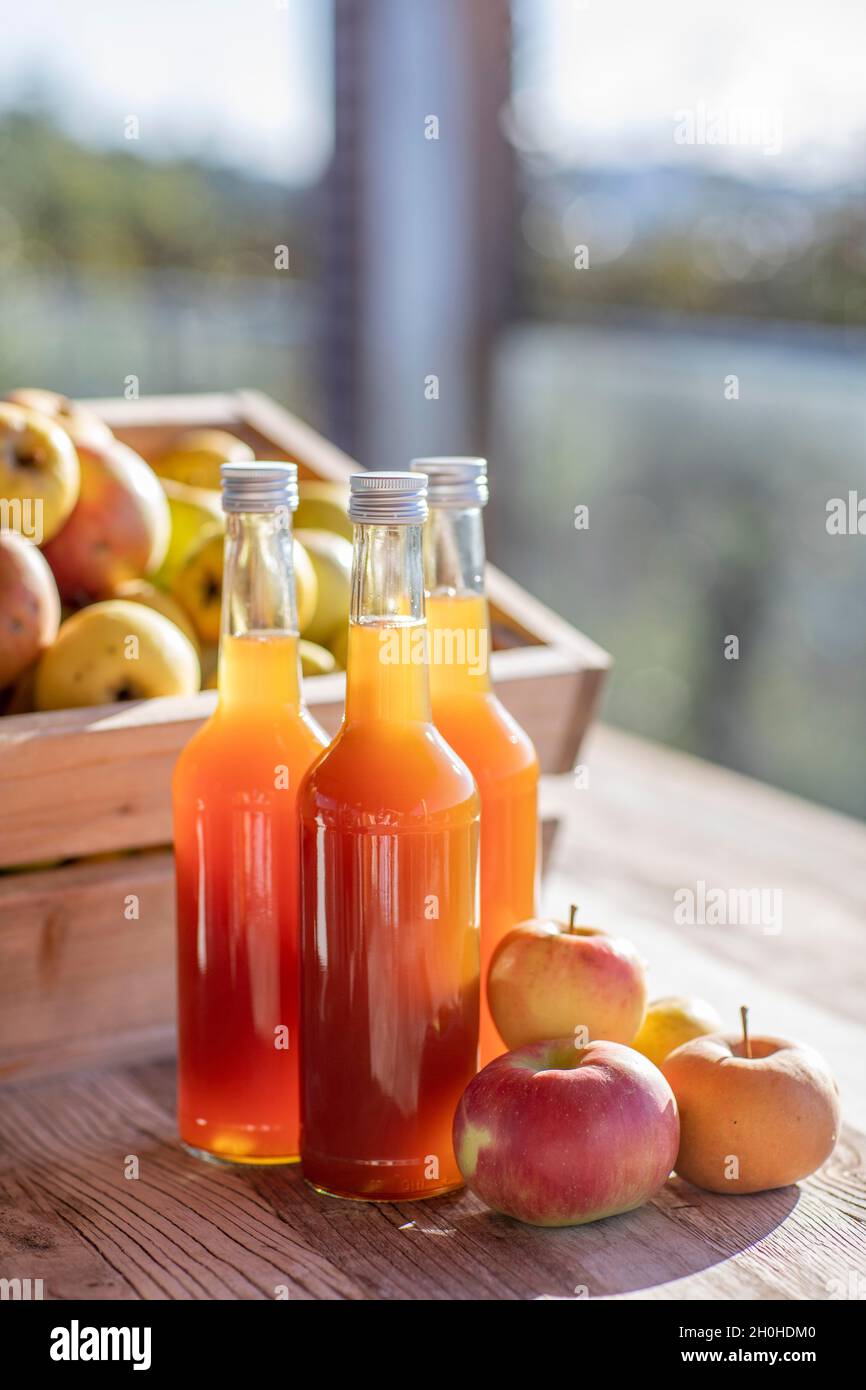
pixel 650 822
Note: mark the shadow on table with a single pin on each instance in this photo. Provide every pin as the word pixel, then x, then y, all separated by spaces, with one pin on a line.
pixel 682 1232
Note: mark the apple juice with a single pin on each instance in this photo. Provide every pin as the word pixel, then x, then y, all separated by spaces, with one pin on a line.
pixel 236 848
pixel 389 815
pixel 467 712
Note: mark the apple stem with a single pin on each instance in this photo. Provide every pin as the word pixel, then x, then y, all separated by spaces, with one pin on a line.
pixel 747 1045
pixel 572 916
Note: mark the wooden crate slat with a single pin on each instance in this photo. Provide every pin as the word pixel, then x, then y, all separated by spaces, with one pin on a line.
pixel 80 983
pixel 85 781
pixel 78 977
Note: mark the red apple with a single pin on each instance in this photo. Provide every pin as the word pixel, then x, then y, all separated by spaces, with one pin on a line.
pixel 557 1135
pixel 547 979
pixel 118 530
pixel 29 605
pixel 756 1113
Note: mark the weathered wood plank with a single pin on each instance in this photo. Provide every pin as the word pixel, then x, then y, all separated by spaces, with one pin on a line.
pixel 651 821
pixel 184 1229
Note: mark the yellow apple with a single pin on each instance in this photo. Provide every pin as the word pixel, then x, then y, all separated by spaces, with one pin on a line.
pixel 198 585
pixel 672 1021
pixel 39 473
pixel 323 506
pixel 306 585
pixel 316 660
pixel 195 513
pixel 142 591
pixel 81 424
pixel 115 651
pixel 331 557
pixel 194 457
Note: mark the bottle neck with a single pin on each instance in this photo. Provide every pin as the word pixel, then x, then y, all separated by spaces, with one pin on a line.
pixel 386 668
pixel 457 614
pixel 454 550
pixel 259 659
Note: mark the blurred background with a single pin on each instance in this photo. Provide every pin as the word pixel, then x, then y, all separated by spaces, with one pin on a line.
pixel 619 248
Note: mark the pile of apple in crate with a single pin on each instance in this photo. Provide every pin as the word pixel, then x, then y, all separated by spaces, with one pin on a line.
pixel 99 548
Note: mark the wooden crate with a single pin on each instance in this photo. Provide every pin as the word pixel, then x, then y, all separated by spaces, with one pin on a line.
pixel 82 977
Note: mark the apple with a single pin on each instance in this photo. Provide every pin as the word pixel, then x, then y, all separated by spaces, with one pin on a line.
pixel 672 1021
pixel 142 591
pixel 198 586
pixel 557 1135
pixel 315 660
pixel 82 425
pixel 195 512
pixel 39 473
pixel 195 456
pixel 756 1112
pixel 323 506
pixel 331 558
pixel 548 979
pixel 115 651
pixel 119 529
pixel 29 606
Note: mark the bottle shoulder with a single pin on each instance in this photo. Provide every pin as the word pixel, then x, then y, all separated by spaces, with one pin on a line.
pixel 229 751
pixel 487 736
pixel 406 774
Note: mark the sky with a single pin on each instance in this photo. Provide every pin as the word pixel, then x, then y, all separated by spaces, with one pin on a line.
pixel 596 81
pixel 247 81
pixel 604 80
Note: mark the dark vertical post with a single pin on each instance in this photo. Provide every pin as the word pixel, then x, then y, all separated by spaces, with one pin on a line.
pixel 421 224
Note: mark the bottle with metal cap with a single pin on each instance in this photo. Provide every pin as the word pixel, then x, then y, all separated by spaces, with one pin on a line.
pixel 466 710
pixel 389 850
pixel 236 846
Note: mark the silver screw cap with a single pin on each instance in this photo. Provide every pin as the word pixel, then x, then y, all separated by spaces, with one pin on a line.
pixel 388 499
pixel 259 486
pixel 454 481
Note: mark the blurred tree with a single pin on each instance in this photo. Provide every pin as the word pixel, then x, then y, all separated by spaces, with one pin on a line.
pixel 62 203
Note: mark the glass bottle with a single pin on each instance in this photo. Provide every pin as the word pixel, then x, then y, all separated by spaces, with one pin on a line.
pixel 389 838
pixel 468 713
pixel 236 846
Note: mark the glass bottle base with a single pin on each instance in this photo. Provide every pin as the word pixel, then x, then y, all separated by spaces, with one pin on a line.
pixel 240 1160
pixel 381 1199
